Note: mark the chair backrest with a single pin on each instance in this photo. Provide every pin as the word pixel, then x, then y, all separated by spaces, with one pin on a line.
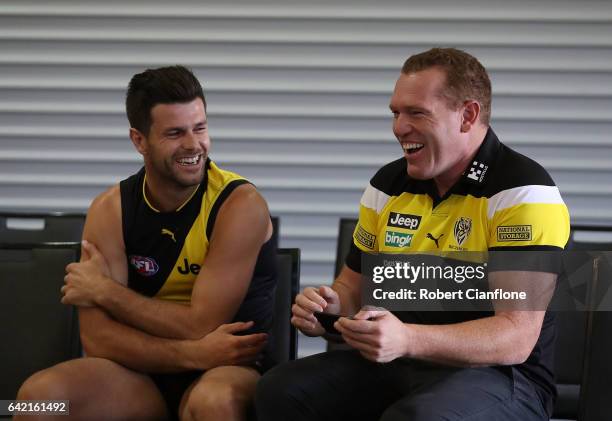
pixel 345 238
pixel 37 331
pixel 40 228
pixel 276 227
pixel 595 402
pixel 572 326
pixel 284 335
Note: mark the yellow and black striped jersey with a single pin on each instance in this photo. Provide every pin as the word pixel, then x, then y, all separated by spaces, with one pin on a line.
pixel 503 201
pixel 166 250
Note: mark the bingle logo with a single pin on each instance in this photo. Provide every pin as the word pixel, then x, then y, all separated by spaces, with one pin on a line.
pixel 145 266
pixel 401 220
pixel 397 239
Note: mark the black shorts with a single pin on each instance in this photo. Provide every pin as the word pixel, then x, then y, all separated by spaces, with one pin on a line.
pixel 172 387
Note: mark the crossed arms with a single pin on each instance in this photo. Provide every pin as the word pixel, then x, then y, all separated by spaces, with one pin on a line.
pixel 152 335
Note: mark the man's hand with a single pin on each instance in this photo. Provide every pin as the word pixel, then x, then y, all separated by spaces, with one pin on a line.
pixel 86 281
pixel 223 347
pixel 378 335
pixel 311 299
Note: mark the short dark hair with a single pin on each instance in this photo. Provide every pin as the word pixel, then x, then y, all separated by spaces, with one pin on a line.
pixel 466 77
pixel 165 85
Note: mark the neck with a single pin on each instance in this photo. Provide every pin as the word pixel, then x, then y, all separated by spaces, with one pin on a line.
pixel 445 181
pixel 164 197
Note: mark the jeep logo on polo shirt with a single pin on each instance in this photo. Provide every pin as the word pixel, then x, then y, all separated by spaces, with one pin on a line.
pixel 402 220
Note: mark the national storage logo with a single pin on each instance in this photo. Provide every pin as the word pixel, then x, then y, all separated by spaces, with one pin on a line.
pixel 514 233
pixel 365 238
pixel 397 239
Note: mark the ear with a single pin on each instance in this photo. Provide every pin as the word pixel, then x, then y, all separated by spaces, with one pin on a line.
pixel 139 140
pixel 470 116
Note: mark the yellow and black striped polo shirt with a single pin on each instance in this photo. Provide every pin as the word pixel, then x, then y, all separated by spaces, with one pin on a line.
pixel 503 201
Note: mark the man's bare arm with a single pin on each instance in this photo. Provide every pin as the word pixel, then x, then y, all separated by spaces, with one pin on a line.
pixel 348 287
pixel 506 338
pixel 242 226
pixel 106 338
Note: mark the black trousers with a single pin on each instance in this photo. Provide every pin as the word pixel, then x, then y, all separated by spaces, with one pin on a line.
pixel 342 385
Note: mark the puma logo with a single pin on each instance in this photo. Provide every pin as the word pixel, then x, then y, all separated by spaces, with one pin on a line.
pixel 434 239
pixel 168 232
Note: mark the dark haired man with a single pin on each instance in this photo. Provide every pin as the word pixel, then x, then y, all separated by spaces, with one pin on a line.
pixel 174 287
pixel 460 188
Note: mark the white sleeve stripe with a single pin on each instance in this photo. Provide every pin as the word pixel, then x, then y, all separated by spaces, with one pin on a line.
pixel 524 194
pixel 374 199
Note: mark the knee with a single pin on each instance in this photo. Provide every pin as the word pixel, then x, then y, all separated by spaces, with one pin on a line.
pixel 219 401
pixel 48 384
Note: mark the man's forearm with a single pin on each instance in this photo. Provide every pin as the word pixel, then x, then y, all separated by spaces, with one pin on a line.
pixel 159 318
pixel 105 338
pixel 495 340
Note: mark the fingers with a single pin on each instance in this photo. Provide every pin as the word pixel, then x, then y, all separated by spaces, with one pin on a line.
pixel 362 338
pixel 307 327
pixel 301 313
pixel 91 250
pixel 235 327
pixel 310 300
pixel 254 340
pixel 356 326
pixel 85 255
pixel 329 294
pixel 366 314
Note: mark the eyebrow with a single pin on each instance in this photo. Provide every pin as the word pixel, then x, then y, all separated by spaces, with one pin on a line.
pixel 410 108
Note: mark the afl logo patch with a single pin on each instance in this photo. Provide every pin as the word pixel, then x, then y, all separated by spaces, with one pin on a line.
pixel 145 266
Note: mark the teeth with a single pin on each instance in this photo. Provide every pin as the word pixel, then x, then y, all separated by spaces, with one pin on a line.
pixel 412 146
pixel 190 160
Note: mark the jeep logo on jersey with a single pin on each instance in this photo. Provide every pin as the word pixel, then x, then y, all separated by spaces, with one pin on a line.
pixel 463 226
pixel 145 266
pixel 193 268
pixel 402 220
pixel 397 239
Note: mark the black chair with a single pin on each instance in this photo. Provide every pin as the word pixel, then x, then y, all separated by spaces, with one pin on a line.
pixel 596 390
pixel 37 331
pixel 284 335
pixel 40 227
pixel 572 326
pixel 276 227
pixel 345 238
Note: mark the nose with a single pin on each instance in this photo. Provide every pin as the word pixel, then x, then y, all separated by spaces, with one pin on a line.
pixel 402 126
pixel 190 141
